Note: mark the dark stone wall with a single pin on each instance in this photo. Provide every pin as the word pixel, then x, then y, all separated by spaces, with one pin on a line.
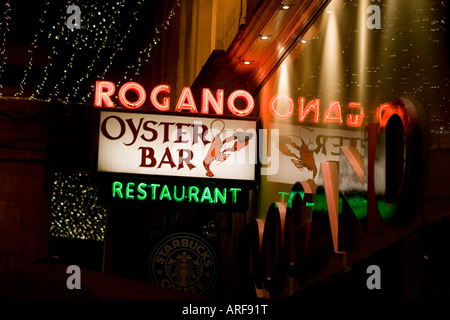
pixel 24 189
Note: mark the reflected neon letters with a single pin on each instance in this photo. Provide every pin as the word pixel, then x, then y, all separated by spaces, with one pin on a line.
pixel 282 107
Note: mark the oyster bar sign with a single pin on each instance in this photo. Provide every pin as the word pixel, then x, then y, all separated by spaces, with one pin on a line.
pixel 167 145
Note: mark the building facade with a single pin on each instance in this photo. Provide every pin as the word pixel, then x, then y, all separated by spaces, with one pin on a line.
pixel 334 177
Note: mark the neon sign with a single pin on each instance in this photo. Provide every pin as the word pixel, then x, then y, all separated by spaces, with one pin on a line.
pixel 104 90
pixel 177 146
pixel 179 193
pixel 333 113
pixel 380 183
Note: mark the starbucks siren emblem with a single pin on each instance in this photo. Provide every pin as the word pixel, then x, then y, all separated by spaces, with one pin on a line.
pixel 184 262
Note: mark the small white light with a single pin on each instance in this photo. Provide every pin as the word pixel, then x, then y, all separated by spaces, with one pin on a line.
pixel 246 62
pixel 285 7
pixel 303 41
pixel 329 11
pixel 265 37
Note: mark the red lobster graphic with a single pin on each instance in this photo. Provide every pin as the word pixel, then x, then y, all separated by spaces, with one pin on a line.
pixel 215 152
pixel 306 159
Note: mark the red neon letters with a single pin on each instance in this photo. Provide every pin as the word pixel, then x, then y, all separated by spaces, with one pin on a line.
pixel 244 95
pixel 102 97
pixel 333 113
pixel 290 107
pixel 208 99
pixel 136 88
pixel 312 106
pixel 282 107
pixel 355 120
pixel 104 90
pixel 165 106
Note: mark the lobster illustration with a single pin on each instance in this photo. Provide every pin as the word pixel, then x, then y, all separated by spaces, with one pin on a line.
pixel 216 153
pixel 306 159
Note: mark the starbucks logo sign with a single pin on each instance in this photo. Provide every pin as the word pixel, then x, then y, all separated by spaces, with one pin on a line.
pixel 185 262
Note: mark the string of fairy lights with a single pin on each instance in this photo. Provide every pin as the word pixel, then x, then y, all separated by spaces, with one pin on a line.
pixel 54 52
pixel 112 29
pixel 145 54
pixel 81 41
pixel 76 211
pixel 31 51
pixel 117 48
pixel 77 45
pixel 120 45
pixel 71 59
pixel 76 56
pixel 4 27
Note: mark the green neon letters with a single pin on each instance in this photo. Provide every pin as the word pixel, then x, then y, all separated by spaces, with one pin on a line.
pixel 177 193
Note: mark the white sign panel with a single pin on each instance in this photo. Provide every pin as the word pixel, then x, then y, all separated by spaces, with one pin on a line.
pixel 301 149
pixel 184 146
